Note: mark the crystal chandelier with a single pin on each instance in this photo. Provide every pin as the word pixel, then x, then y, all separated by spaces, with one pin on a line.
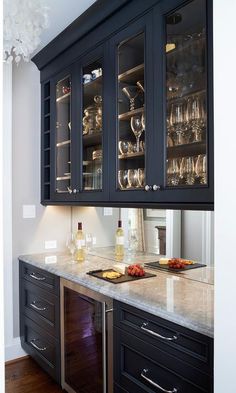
pixel 24 21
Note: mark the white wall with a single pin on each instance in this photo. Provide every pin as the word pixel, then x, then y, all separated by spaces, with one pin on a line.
pixel 225 194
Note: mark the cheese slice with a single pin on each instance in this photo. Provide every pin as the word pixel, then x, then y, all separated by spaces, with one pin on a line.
pixel 120 268
pixel 164 261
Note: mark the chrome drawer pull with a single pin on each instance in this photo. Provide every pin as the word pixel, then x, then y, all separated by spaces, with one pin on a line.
pixel 36 346
pixel 143 375
pixel 36 307
pixel 144 327
pixel 33 275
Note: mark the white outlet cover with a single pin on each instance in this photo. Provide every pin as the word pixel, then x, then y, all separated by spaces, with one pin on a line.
pixel 50 244
pixel 107 211
pixel 29 211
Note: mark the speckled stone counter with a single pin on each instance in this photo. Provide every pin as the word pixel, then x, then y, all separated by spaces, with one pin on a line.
pixel 184 301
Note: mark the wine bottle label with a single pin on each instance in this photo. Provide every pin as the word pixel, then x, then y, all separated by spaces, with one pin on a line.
pixel 80 243
pixel 120 240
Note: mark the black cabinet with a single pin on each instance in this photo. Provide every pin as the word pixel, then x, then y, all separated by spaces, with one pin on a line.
pixel 40 317
pixel 127 114
pixel 152 354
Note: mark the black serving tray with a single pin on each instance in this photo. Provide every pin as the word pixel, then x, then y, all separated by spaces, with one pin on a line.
pixel 166 268
pixel 123 278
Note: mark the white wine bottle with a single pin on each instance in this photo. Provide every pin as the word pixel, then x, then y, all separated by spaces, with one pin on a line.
pixel 80 244
pixel 119 249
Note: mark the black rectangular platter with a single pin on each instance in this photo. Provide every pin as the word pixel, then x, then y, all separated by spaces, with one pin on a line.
pixel 123 278
pixel 166 268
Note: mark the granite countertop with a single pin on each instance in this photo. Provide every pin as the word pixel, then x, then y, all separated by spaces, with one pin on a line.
pixel 184 301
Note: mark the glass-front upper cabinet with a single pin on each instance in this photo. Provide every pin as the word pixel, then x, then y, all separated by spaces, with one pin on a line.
pixel 63 136
pixel 131 51
pixel 131 114
pixel 186 96
pixel 92 126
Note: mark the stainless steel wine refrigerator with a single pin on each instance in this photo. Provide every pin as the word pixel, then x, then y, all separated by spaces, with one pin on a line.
pixel 86 340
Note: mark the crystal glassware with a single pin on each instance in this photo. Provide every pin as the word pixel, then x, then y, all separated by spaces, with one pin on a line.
pixel 132 93
pixel 70 244
pixel 140 84
pixel 141 177
pixel 124 147
pixel 190 171
pixel 137 128
pixel 132 241
pixel 123 178
pixel 201 169
pixel 88 242
pixel 132 178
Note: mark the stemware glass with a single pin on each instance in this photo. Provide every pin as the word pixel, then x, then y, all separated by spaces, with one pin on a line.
pixel 173 172
pixel 133 178
pixel 143 121
pixel 201 169
pixel 137 128
pixel 132 93
pixel 140 84
pixel 141 177
pixel 178 120
pixel 88 241
pixel 124 147
pixel 190 171
pixel 70 244
pixel 183 170
pixel 123 178
pixel 132 241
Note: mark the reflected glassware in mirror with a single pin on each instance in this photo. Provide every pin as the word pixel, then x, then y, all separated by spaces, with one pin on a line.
pixel 123 178
pixel 137 128
pixel 141 177
pixel 132 241
pixel 132 93
pixel 70 244
pixel 201 169
pixel 132 178
pixel 190 171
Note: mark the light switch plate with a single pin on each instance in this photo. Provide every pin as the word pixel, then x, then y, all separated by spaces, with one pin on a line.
pixel 29 211
pixel 107 211
pixel 50 244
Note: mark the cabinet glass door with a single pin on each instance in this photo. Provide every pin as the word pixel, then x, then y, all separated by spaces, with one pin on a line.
pixel 92 126
pixel 131 114
pixel 186 97
pixel 63 135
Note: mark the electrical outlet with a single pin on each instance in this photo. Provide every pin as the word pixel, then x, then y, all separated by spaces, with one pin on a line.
pixel 29 211
pixel 107 211
pixel 50 244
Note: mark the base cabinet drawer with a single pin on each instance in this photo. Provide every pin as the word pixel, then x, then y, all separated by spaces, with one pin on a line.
pixel 41 306
pixel 140 367
pixel 44 348
pixel 40 277
pixel 185 344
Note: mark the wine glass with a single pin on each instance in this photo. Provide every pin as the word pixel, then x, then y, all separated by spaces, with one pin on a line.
pixel 137 128
pixel 70 244
pixel 123 178
pixel 190 171
pixel 183 170
pixel 133 178
pixel 88 241
pixel 141 177
pixel 143 121
pixel 132 241
pixel 201 168
pixel 132 93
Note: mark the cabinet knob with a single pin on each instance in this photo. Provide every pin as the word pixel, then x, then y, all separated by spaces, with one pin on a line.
pixel 148 188
pixel 69 190
pixel 155 187
pixel 75 191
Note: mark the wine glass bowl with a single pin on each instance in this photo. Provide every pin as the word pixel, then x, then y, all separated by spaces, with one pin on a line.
pixel 137 128
pixel 141 177
pixel 123 178
pixel 133 178
pixel 132 93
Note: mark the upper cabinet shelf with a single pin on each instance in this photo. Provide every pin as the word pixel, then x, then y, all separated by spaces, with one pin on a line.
pixel 127 108
pixel 132 75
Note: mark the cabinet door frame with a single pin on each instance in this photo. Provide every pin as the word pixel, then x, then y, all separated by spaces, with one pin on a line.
pixel 141 25
pixel 77 149
pixel 196 194
pixel 54 196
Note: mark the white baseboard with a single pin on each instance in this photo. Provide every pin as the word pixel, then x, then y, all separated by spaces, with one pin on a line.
pixel 14 350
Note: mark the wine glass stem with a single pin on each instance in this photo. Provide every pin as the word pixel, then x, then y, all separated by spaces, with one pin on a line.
pixel 138 144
